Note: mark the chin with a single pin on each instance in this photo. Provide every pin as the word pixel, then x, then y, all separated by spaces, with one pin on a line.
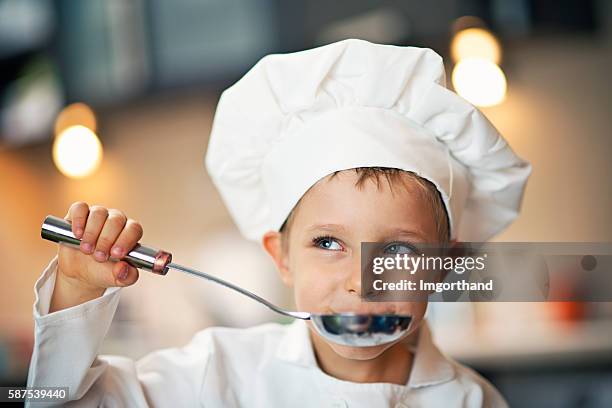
pixel 360 353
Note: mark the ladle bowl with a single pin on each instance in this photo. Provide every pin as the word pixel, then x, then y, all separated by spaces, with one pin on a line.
pixel 360 330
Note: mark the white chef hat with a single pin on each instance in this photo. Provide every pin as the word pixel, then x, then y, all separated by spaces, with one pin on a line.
pixel 295 118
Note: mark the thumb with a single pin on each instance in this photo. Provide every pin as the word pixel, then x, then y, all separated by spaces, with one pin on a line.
pixel 124 274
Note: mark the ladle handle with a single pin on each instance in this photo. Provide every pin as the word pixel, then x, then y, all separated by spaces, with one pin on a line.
pixel 154 260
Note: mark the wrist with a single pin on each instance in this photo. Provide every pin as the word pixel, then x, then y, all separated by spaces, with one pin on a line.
pixel 70 292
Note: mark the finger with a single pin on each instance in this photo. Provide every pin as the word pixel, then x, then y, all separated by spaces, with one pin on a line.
pixel 129 237
pixel 95 222
pixel 124 274
pixel 77 214
pixel 110 231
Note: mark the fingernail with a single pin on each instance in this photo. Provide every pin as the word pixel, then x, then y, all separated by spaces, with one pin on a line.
pixel 123 273
pixel 117 251
pixel 87 247
pixel 100 256
pixel 79 232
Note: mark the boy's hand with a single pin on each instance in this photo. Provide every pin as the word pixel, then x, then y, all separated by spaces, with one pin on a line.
pixel 85 272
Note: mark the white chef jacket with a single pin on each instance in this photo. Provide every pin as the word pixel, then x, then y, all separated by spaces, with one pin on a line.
pixel 270 365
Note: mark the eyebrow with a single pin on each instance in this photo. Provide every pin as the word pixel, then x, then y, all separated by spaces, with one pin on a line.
pixel 326 227
pixel 402 231
pixel 390 232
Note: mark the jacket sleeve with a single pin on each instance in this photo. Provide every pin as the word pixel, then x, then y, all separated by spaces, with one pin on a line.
pixel 66 347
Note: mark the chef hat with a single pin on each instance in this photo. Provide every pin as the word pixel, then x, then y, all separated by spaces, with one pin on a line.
pixel 296 118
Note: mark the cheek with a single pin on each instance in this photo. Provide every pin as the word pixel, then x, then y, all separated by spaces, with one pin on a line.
pixel 313 284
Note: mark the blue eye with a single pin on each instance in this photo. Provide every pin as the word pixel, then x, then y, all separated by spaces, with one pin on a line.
pixel 399 248
pixel 328 243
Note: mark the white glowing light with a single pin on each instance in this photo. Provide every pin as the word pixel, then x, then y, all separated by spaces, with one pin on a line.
pixel 480 81
pixel 77 152
pixel 476 43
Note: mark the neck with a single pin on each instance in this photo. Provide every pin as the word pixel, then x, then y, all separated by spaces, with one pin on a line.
pixel 392 366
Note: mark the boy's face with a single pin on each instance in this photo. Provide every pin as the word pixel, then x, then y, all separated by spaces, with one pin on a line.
pixel 322 258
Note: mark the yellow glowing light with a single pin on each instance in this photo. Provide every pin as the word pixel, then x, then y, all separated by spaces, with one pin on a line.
pixel 480 81
pixel 77 152
pixel 476 43
pixel 75 114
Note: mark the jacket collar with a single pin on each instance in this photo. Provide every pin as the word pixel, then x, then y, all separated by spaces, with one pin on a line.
pixel 430 366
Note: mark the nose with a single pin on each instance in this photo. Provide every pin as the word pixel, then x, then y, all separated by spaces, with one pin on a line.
pixel 352 283
pixel 360 279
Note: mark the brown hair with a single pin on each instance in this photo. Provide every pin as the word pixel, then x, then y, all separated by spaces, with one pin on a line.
pixel 393 177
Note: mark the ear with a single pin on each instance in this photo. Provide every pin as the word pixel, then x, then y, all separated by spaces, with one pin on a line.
pixel 272 242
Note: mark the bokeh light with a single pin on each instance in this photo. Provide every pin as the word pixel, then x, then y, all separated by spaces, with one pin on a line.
pixel 480 81
pixel 77 151
pixel 75 114
pixel 476 43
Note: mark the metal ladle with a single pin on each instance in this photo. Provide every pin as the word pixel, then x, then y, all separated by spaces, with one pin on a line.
pixel 347 329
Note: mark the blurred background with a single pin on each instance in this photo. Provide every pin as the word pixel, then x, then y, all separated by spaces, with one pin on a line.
pixel 111 102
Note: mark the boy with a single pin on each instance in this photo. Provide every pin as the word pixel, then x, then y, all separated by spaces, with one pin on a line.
pixel 313 153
